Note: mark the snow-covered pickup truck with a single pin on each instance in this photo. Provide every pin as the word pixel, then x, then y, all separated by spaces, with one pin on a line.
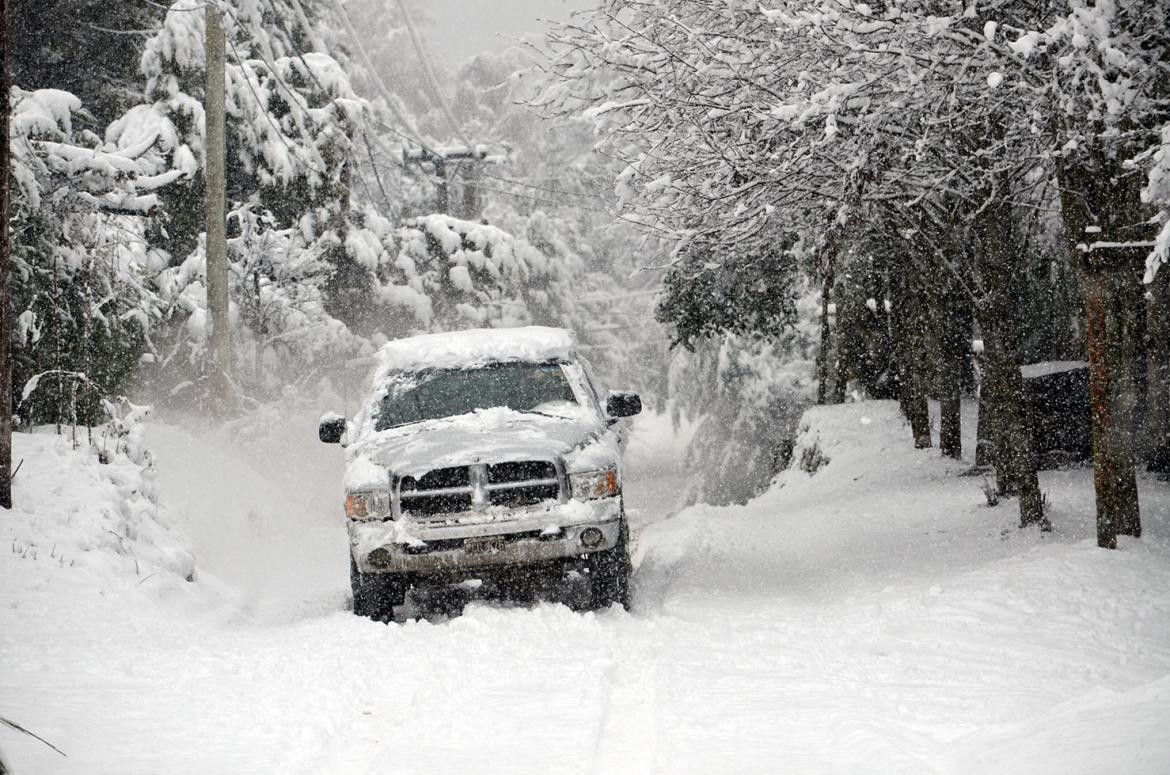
pixel 478 455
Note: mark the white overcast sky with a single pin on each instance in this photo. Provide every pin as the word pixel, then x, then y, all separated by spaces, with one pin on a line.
pixel 456 29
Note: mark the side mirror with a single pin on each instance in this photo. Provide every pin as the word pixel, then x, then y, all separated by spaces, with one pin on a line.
pixel 622 404
pixel 332 428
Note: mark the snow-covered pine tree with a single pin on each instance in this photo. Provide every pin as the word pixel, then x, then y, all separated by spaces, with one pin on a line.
pixel 440 273
pixel 89 48
pixel 292 121
pixel 82 269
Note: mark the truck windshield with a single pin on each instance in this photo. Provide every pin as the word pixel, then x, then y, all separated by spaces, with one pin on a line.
pixel 524 387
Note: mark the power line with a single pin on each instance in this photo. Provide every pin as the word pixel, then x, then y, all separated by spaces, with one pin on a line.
pixel 373 74
pixel 169 8
pixel 546 189
pixel 414 135
pixel 542 200
pixel 264 108
pixel 302 104
pixel 432 82
pixel 314 41
pixel 604 297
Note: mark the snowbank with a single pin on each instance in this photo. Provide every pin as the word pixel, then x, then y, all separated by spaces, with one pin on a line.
pixel 913 628
pixel 74 515
pixel 262 508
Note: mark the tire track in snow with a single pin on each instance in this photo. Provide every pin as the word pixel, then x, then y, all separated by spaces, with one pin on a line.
pixel 627 734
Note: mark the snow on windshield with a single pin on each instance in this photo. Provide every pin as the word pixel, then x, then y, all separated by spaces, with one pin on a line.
pixel 523 387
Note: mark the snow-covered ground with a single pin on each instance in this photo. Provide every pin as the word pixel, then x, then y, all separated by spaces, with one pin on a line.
pixel 876 616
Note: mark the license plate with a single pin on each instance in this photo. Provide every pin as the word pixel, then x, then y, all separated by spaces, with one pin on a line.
pixel 484 545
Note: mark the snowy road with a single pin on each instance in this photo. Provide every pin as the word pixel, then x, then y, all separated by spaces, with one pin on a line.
pixel 865 619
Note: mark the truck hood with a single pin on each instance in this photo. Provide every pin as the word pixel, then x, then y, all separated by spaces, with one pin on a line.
pixel 487 436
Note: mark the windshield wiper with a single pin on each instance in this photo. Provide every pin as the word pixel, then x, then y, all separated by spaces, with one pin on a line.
pixel 546 414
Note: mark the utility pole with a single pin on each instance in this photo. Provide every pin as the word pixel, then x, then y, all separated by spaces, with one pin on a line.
pixel 214 96
pixel 5 261
pixel 443 186
pixel 463 166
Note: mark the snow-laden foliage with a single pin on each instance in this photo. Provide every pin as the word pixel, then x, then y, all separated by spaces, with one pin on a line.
pixel 743 294
pixel 82 268
pixel 89 48
pixel 292 116
pixel 1157 192
pixel 1108 89
pixel 708 168
pixel 828 123
pixel 740 122
pixel 748 394
pixel 435 273
pixel 451 274
pixel 281 331
pixel 556 192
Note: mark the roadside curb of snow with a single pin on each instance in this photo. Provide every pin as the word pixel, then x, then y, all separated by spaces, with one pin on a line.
pixel 73 512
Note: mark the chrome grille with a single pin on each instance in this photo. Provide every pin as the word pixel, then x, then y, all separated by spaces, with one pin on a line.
pixel 513 484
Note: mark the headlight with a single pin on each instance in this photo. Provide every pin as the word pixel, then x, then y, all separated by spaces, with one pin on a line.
pixel 595 484
pixel 367 505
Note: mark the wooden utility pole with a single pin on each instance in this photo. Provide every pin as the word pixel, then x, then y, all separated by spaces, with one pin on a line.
pixel 214 97
pixel 5 261
pixel 462 166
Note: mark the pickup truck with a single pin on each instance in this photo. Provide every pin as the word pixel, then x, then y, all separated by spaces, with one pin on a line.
pixel 480 454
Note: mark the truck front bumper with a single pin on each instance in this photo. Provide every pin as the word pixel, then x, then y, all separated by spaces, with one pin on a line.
pixel 486 541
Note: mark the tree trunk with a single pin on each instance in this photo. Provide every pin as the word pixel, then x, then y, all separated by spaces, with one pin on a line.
pixel 908 324
pixel 986 427
pixel 1112 393
pixel 997 262
pixel 826 338
pixel 5 263
pixel 216 219
pixel 845 328
pixel 1099 203
pixel 952 355
pixel 881 372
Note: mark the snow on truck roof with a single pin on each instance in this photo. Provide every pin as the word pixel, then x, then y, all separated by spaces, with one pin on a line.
pixel 475 347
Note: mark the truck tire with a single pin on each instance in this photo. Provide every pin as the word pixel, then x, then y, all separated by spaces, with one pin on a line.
pixel 376 594
pixel 609 574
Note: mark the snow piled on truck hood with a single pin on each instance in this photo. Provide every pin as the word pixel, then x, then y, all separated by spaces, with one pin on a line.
pixel 486 435
pixel 474 347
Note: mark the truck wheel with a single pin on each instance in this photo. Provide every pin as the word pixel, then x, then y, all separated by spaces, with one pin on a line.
pixel 609 574
pixel 376 594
